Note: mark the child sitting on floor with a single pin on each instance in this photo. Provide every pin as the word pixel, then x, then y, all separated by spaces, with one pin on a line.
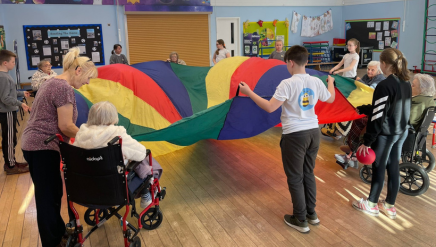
pixel 100 129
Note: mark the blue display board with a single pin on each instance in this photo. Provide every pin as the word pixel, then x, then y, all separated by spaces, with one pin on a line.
pixel 52 42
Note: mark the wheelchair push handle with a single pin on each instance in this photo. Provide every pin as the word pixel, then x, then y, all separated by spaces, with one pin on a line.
pixel 51 138
pixel 114 140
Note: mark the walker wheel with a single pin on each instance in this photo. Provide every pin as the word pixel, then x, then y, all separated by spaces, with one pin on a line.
pixel 151 219
pixel 365 174
pixel 90 215
pixel 136 242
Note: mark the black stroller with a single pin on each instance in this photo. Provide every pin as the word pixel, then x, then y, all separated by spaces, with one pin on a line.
pixel 98 179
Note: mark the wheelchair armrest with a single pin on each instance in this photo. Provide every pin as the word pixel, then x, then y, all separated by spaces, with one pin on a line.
pixel 132 165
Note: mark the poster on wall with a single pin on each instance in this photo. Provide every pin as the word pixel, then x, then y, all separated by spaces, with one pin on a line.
pixel 386 31
pixel 2 38
pixel 265 33
pixel 52 42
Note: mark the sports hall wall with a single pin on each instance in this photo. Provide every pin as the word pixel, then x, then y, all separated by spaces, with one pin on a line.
pixel 255 14
pixel 411 39
pixel 14 16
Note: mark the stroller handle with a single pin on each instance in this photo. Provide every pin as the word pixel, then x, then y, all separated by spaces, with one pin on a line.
pixel 51 138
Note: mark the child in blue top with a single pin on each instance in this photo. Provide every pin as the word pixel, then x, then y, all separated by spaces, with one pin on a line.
pixel 298 96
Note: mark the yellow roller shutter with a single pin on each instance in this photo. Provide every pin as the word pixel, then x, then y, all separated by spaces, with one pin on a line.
pixel 154 36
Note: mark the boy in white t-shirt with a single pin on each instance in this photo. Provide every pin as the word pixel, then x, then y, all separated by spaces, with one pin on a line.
pixel 298 96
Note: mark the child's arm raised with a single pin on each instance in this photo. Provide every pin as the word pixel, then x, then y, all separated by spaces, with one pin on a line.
pixel 331 89
pixel 268 106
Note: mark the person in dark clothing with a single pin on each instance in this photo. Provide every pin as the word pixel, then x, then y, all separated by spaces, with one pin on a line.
pixel 117 57
pixel 387 128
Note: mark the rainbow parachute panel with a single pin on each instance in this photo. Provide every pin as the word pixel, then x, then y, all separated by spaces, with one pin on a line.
pixel 167 106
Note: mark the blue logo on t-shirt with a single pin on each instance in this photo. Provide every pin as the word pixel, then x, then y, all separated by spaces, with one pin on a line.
pixel 305 100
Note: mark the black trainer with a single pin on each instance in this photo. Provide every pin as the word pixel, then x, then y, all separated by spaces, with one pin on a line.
pixel 293 222
pixel 312 218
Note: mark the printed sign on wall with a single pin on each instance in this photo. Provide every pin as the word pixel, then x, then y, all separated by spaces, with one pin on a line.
pixel 52 42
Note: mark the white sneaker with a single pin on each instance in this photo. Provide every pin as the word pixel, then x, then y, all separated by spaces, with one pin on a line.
pixel 145 200
pixel 342 158
pixel 362 206
pixel 390 212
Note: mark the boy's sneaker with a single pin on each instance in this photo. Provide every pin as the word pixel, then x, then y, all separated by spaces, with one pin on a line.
pixel 145 200
pixel 330 133
pixel 16 169
pixel 362 205
pixel 342 158
pixel 312 219
pixel 390 212
pixel 293 222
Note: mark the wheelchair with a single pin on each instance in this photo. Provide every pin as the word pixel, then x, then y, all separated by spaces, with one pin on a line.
pixel 99 180
pixel 417 160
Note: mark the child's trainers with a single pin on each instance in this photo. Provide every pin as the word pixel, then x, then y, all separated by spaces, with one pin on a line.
pixel 312 218
pixel 362 205
pixel 342 158
pixel 293 222
pixel 145 200
pixel 390 212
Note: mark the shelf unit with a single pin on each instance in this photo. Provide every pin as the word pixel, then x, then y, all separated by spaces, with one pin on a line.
pixel 319 51
pixel 428 62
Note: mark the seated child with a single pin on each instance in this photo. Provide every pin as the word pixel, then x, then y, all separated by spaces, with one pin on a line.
pixel 278 53
pixel 100 129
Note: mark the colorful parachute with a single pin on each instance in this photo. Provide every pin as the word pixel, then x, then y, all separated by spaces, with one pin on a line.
pixel 167 106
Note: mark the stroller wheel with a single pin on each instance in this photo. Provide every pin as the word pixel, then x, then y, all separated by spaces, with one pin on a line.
pixel 366 174
pixel 414 180
pixel 136 242
pixel 151 219
pixel 90 215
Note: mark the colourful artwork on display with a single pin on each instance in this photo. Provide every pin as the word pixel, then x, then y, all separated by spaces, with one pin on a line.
pixel 269 32
pixel 2 38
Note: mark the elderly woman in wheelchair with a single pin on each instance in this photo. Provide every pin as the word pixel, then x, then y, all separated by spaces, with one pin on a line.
pixel 97 167
pixel 417 160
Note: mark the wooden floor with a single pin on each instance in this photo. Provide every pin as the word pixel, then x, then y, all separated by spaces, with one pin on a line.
pixel 234 193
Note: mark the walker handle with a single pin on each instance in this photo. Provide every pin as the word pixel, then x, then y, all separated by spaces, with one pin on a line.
pixel 51 138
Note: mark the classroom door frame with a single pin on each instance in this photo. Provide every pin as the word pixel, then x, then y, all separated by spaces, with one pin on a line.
pixel 236 34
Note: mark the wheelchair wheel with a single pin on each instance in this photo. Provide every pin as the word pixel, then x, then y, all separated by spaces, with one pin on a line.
pixel 151 219
pixel 429 162
pixel 365 174
pixel 136 242
pixel 90 216
pixel 414 179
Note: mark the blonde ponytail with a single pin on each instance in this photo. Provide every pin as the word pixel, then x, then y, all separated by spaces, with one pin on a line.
pixel 73 60
pixel 396 59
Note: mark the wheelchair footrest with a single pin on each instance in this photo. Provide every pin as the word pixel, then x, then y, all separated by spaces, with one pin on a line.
pixel 162 193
